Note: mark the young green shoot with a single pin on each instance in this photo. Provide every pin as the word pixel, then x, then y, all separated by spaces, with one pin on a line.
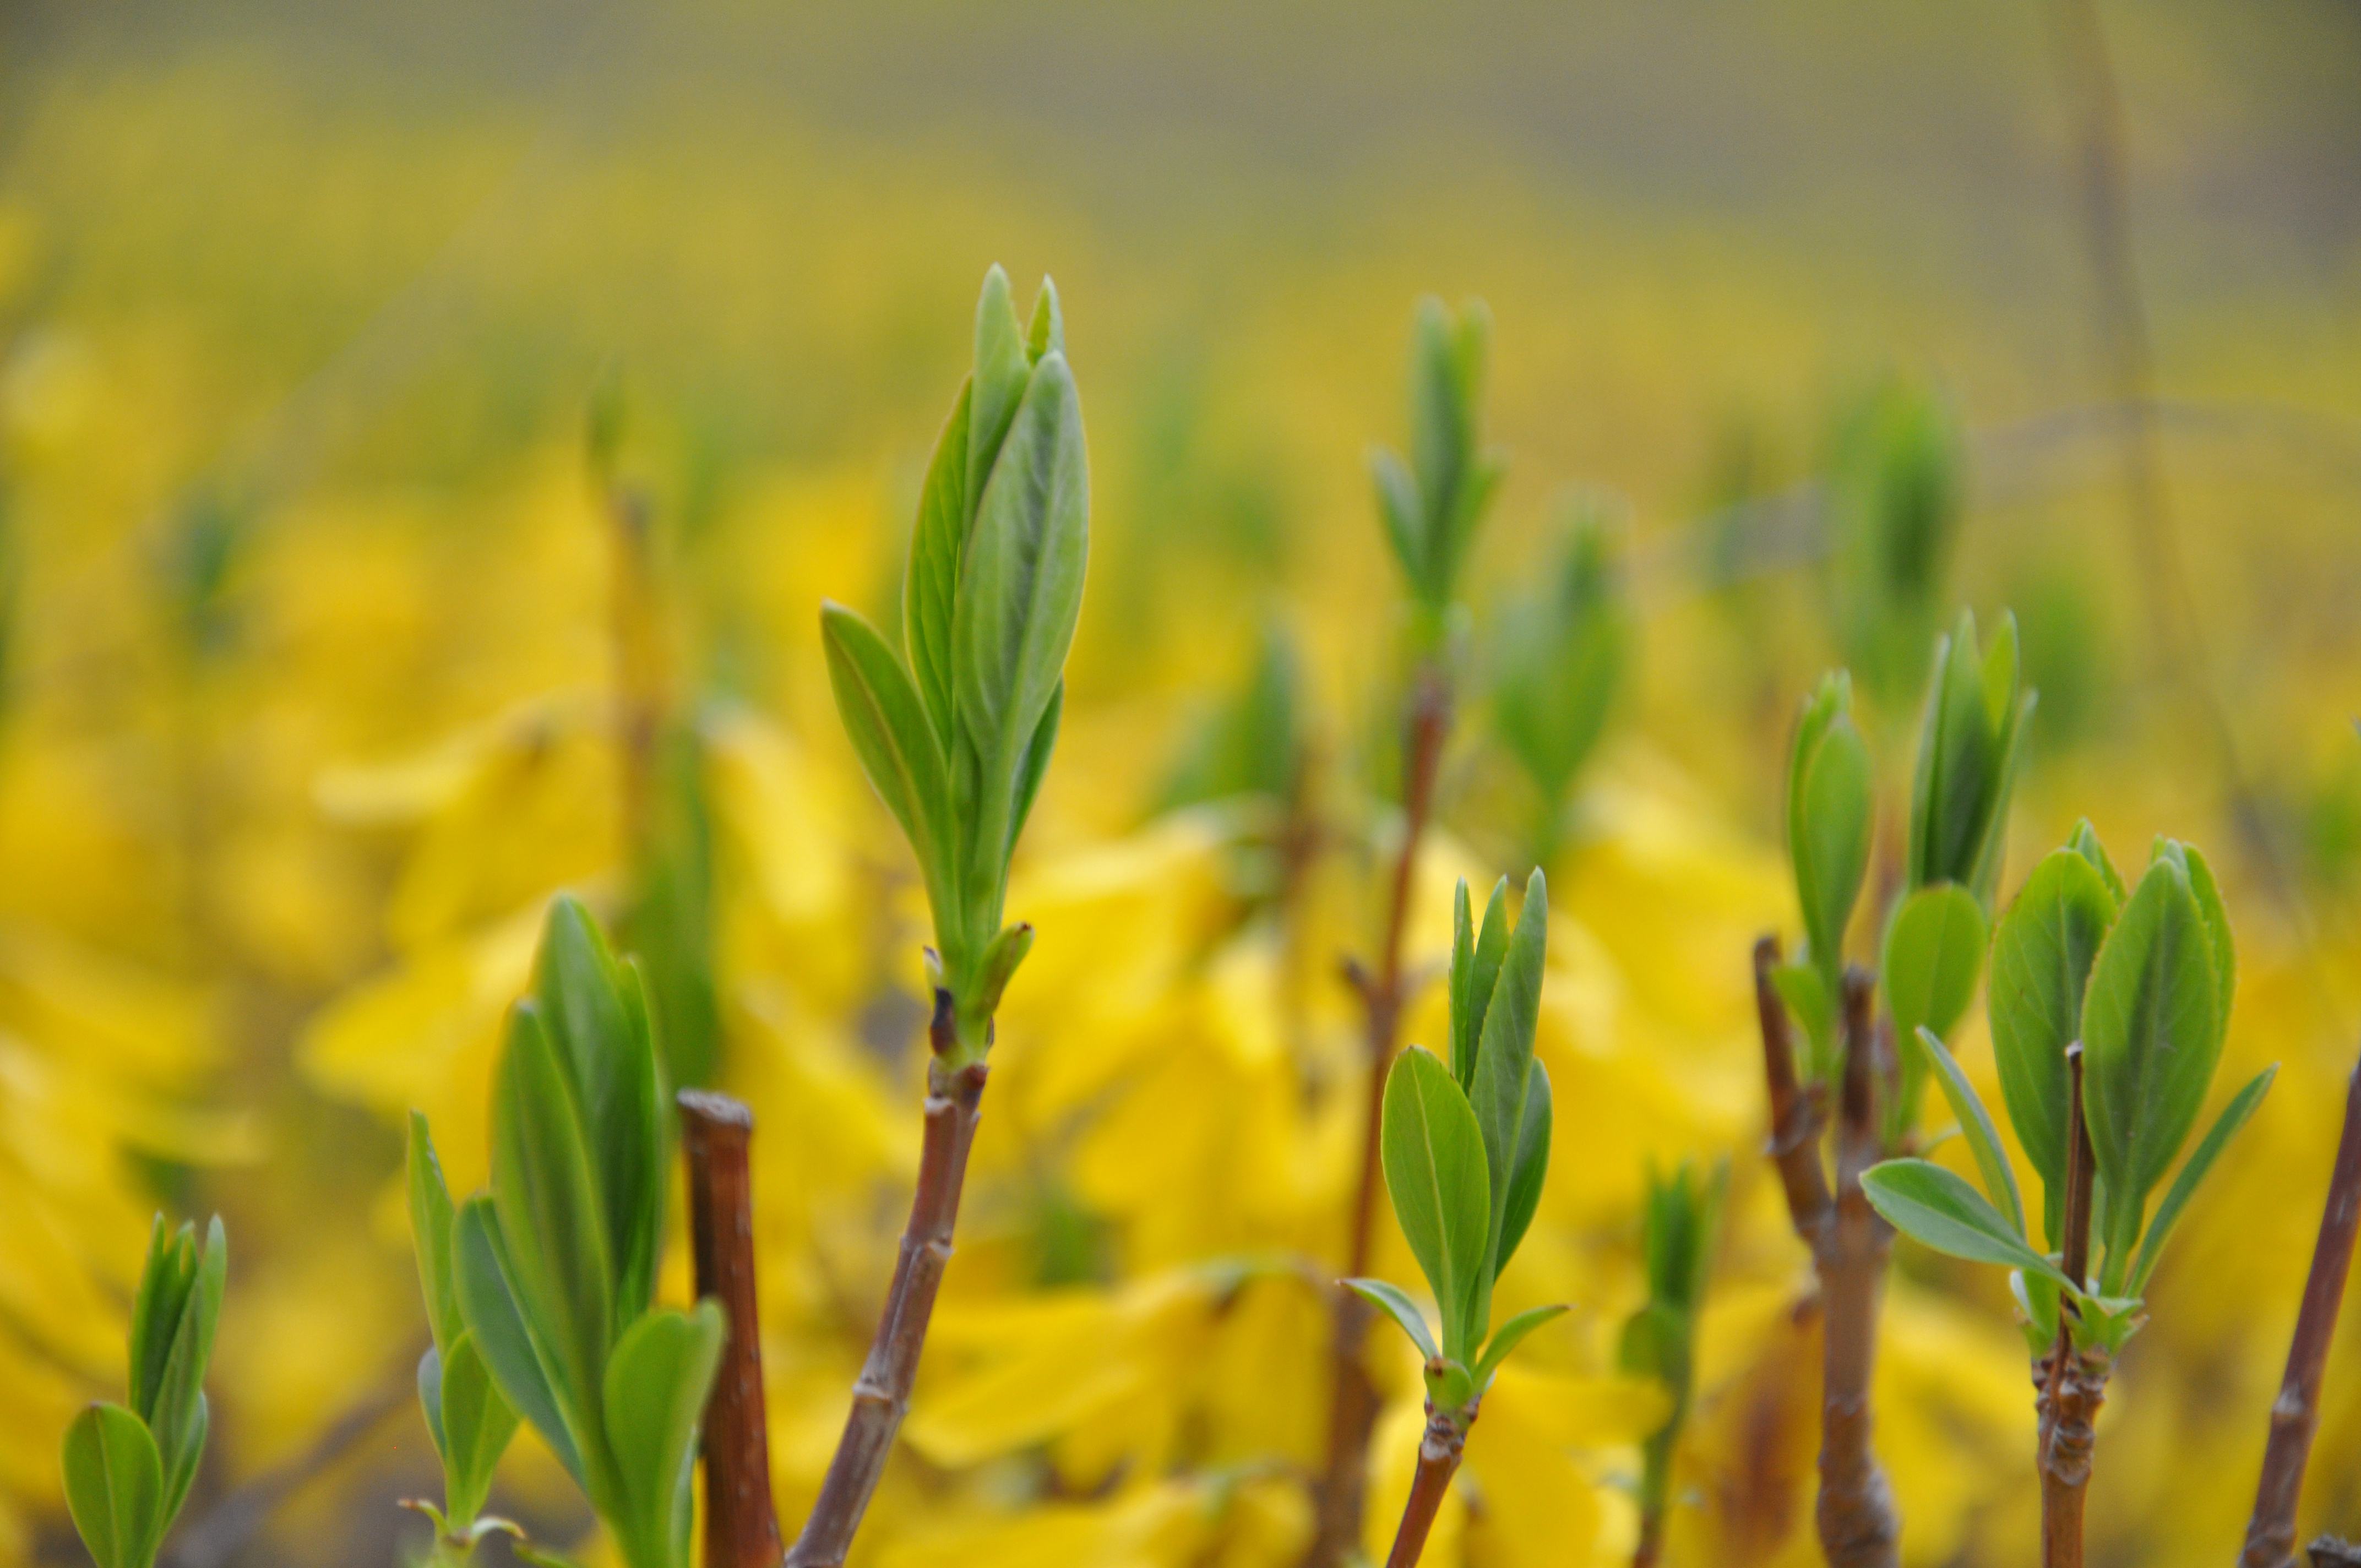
pixel 1561 662
pixel 555 1268
pixel 2108 1013
pixel 1678 1225
pixel 127 1467
pixel 1432 505
pixel 469 1419
pixel 1466 1150
pixel 954 728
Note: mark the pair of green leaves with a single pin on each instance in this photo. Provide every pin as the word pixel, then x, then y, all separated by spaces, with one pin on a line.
pixel 1466 1145
pixel 466 1416
pixel 957 737
pixel 554 1269
pixel 1561 664
pixel 1432 503
pixel 127 1469
pixel 2144 982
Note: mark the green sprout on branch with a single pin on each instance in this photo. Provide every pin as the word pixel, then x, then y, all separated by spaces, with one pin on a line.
pixel 129 1468
pixel 1465 1148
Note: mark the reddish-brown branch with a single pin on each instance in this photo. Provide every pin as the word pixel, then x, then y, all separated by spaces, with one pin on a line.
pixel 882 1394
pixel 2070 1386
pixel 1353 1403
pixel 1856 1514
pixel 1794 1147
pixel 1438 1462
pixel 2295 1415
pixel 742 1530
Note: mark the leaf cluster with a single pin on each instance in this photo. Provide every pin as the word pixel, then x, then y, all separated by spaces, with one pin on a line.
pixel 553 1270
pixel 955 728
pixel 2143 979
pixel 1466 1145
pixel 1562 661
pixel 1433 501
pixel 129 1468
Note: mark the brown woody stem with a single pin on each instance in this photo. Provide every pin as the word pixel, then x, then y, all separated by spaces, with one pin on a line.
pixel 742 1530
pixel 1353 1408
pixel 2070 1387
pixel 2295 1415
pixel 1856 1515
pixel 1438 1462
pixel 881 1396
pixel 1795 1145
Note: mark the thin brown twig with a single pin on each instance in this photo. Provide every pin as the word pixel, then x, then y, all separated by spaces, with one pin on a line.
pixel 1439 1451
pixel 2295 1414
pixel 1857 1524
pixel 1353 1402
pixel 881 1396
pixel 741 1528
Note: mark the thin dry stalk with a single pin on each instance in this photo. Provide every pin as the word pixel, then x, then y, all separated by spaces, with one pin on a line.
pixel 2295 1415
pixel 881 1396
pixel 742 1530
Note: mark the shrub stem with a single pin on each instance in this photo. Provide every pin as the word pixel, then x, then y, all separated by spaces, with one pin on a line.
pixel 2072 1384
pixel 2295 1415
pixel 1438 1461
pixel 1353 1408
pixel 742 1530
pixel 881 1396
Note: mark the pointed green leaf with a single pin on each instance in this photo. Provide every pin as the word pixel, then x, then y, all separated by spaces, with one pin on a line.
pixel 526 1371
pixel 1939 1210
pixel 1403 514
pixel 115 1487
pixel 1957 761
pixel 2193 1173
pixel 1504 1059
pixel 930 585
pixel 1046 333
pixel 430 1399
pixel 1976 1124
pixel 164 1285
pixel 999 966
pixel 886 721
pixel 1034 765
pixel 2217 930
pixel 656 1386
pixel 1828 821
pixel 179 1420
pixel 547 1200
pixel 477 1424
pixel 1470 1003
pixel 1934 954
pixel 2084 841
pixel 1397 1305
pixel 2041 960
pixel 1532 1167
pixel 1020 593
pixel 1434 1158
pixel 2152 1037
pixel 1512 1333
pixel 430 1233
pixel 998 383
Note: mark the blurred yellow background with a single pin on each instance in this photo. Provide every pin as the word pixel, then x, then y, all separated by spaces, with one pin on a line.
pixel 310 664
